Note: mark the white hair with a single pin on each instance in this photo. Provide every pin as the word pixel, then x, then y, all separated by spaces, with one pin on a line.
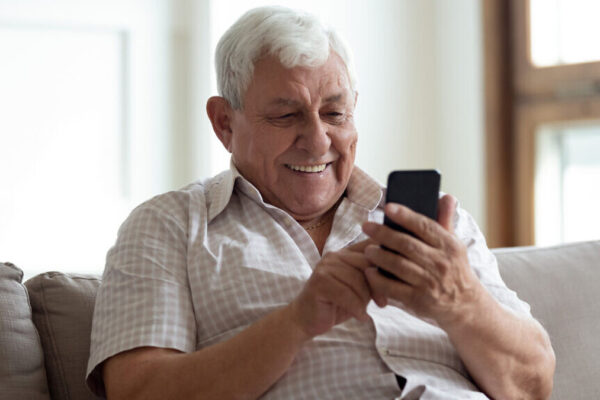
pixel 296 38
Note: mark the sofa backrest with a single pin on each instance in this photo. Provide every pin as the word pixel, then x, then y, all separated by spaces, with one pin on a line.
pixel 63 306
pixel 22 372
pixel 562 285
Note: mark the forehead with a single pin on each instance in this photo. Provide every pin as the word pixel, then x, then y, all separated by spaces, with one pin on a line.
pixel 272 81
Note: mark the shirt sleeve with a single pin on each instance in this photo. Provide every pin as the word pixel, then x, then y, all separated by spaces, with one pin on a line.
pixel 144 298
pixel 484 262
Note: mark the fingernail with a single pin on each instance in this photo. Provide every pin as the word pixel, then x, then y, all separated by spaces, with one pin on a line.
pixel 392 207
pixel 381 302
pixel 370 249
pixel 369 228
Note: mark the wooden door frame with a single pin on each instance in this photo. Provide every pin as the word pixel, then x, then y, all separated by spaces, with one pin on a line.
pixel 520 97
pixel 532 82
pixel 498 124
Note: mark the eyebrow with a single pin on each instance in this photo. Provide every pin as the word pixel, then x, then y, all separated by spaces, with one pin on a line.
pixel 281 101
pixel 335 98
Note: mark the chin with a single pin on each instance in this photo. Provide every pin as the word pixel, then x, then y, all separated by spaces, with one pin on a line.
pixel 308 208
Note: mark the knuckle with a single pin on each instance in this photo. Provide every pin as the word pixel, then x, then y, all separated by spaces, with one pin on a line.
pixel 424 225
pixel 431 284
pixel 442 266
pixel 398 263
pixel 410 246
pixel 319 275
pixel 454 245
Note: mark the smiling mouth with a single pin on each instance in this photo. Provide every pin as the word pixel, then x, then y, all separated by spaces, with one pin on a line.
pixel 308 168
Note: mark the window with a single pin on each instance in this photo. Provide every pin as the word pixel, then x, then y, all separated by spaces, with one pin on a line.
pixel 63 134
pixel 83 126
pixel 561 32
pixel 543 111
pixel 567 182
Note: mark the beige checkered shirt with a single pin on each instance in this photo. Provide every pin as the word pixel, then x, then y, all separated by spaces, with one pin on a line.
pixel 194 267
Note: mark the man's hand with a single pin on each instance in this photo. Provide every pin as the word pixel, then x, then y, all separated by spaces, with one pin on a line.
pixel 437 281
pixel 508 355
pixel 336 291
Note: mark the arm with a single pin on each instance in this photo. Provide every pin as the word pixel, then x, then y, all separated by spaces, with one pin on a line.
pixel 245 366
pixel 509 356
pixel 231 369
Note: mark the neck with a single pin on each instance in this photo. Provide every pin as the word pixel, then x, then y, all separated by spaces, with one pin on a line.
pixel 322 220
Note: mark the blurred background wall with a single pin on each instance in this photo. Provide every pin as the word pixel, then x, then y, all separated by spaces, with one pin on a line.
pixel 103 106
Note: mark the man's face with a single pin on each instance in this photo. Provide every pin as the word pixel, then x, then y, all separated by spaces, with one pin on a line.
pixel 295 139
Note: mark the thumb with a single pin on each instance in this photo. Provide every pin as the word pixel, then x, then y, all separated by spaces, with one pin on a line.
pixel 446 209
pixel 360 246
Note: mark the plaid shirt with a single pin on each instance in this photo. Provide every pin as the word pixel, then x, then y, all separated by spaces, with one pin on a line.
pixel 194 267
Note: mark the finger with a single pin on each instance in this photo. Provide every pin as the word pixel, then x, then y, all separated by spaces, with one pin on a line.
pixel 355 259
pixel 410 247
pixel 342 296
pixel 355 281
pixel 423 227
pixel 397 264
pixel 360 246
pixel 446 210
pixel 382 287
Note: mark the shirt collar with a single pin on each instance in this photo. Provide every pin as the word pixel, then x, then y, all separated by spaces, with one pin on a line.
pixel 362 190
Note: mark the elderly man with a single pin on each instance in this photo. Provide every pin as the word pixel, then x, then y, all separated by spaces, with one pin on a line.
pixel 262 281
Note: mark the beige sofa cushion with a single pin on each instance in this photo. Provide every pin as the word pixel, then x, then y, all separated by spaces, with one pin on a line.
pixel 562 285
pixel 22 372
pixel 63 305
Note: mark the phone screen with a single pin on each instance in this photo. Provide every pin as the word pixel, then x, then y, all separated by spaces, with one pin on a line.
pixel 418 190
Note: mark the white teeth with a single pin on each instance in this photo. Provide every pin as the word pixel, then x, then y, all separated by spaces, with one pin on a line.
pixel 307 168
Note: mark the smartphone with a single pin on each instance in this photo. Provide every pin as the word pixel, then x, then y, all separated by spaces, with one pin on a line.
pixel 418 190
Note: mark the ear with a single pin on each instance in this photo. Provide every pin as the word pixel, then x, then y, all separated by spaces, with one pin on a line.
pixel 220 112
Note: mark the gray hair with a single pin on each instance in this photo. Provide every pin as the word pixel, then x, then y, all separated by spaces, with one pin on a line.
pixel 296 38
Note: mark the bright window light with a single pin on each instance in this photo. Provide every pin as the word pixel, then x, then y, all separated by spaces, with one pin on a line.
pixel 63 172
pixel 566 184
pixel 564 31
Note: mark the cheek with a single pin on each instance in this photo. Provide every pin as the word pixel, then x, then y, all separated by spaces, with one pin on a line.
pixel 267 149
pixel 345 143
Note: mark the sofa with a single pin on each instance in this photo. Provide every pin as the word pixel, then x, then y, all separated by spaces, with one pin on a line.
pixel 45 322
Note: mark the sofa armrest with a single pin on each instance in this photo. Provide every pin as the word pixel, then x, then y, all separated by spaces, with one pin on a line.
pixel 22 372
pixel 561 285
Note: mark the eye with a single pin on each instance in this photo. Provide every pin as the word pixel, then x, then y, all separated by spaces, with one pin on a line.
pixel 283 119
pixel 334 117
pixel 286 116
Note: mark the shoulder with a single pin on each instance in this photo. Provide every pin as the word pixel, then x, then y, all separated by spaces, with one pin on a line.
pixel 175 204
pixel 197 203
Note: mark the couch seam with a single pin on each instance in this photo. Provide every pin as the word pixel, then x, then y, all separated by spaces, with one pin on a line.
pixel 53 341
pixel 53 274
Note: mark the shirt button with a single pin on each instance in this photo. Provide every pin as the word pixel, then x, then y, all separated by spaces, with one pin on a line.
pixel 287 223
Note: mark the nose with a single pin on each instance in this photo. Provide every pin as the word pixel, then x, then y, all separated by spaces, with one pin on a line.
pixel 314 136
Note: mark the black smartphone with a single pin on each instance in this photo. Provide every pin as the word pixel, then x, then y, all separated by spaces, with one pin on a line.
pixel 418 190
